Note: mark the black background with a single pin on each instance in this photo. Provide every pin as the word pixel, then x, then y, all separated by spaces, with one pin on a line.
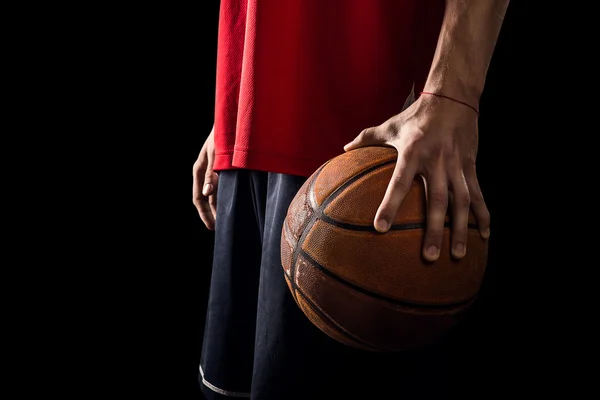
pixel 122 99
pixel 499 339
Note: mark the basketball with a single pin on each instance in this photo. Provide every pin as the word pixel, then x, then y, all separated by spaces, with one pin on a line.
pixel 370 290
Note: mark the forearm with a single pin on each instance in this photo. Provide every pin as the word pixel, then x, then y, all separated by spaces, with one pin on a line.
pixel 465 46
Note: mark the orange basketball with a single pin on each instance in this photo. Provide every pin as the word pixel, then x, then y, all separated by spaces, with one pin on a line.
pixel 372 290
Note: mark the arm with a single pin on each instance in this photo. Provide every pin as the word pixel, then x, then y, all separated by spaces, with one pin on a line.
pixel 436 137
pixel 465 46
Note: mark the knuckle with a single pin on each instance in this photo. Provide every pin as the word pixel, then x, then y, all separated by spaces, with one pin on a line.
pixel 388 130
pixel 462 199
pixel 438 198
pixel 432 154
pixel 364 134
pixel 198 199
pixel 399 183
pixel 209 174
pixel 410 149
pixel 453 161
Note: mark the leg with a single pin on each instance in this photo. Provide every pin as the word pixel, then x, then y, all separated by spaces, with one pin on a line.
pixel 228 345
pixel 295 360
pixel 285 366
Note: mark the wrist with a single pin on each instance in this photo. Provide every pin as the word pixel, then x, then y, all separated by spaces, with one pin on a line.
pixel 453 99
pixel 463 86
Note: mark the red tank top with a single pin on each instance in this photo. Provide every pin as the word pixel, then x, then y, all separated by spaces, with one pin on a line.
pixel 298 79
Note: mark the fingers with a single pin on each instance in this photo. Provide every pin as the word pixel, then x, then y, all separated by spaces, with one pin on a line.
pixel 202 204
pixel 460 204
pixel 465 196
pixel 204 189
pixel 478 205
pixel 437 205
pixel 444 177
pixel 368 137
pixel 211 180
pixel 206 214
pixel 400 184
pixel 210 190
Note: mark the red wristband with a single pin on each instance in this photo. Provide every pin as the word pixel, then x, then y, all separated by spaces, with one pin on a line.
pixel 453 99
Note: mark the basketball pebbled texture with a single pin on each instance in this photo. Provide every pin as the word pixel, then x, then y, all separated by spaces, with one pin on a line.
pixel 366 289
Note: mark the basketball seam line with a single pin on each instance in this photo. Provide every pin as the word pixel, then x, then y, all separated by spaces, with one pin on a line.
pixel 304 232
pixel 370 228
pixel 349 182
pixel 397 302
pixel 340 328
pixel 319 209
pixel 317 214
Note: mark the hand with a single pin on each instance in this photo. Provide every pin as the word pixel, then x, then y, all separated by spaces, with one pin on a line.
pixel 436 138
pixel 205 183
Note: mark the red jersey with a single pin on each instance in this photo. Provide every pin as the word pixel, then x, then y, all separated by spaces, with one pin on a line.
pixel 298 79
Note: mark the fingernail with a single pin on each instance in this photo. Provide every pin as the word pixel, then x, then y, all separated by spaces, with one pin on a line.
pixel 433 252
pixel 382 225
pixel 459 249
pixel 208 187
pixel 486 233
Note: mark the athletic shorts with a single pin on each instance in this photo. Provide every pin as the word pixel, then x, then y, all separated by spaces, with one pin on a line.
pixel 258 344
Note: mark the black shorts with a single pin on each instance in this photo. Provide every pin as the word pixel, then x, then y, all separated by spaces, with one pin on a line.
pixel 257 342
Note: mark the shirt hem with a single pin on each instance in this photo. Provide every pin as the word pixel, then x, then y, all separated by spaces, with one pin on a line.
pixel 261 161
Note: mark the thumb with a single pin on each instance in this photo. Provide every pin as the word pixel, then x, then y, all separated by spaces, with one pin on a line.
pixel 368 137
pixel 208 187
pixel 210 177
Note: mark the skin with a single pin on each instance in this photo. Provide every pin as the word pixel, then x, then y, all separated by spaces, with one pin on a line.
pixel 436 138
pixel 206 182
